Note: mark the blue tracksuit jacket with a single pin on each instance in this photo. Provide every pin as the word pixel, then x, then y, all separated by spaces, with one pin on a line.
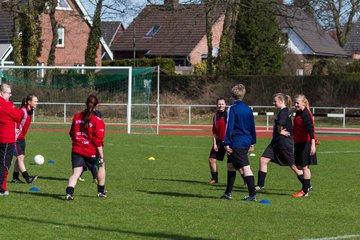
pixel 240 127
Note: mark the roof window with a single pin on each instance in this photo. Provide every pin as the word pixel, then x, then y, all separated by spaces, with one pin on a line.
pixel 153 30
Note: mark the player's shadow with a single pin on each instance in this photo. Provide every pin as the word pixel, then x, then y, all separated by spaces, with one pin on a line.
pixel 177 194
pixel 53 178
pixel 42 194
pixel 104 229
pixel 177 180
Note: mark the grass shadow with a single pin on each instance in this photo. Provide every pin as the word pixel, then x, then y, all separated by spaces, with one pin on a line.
pixel 42 194
pixel 52 178
pixel 177 194
pixel 157 235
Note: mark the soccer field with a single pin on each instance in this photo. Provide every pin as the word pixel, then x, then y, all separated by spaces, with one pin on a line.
pixel 169 199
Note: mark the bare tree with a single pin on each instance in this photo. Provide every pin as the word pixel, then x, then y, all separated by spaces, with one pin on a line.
pixel 338 15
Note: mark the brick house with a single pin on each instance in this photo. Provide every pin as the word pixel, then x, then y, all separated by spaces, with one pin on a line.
pixel 306 41
pixel 352 46
pixel 74 27
pixel 171 30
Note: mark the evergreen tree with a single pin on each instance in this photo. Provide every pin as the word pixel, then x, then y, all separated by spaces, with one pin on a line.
pixel 257 48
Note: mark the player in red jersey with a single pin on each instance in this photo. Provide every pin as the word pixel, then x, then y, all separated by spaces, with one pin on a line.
pixel 29 104
pixel 217 151
pixel 304 142
pixel 9 116
pixel 87 134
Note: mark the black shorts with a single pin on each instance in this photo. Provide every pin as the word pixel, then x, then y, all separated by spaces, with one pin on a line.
pixel 239 158
pixel 283 157
pixel 19 147
pixel 79 160
pixel 220 154
pixel 302 155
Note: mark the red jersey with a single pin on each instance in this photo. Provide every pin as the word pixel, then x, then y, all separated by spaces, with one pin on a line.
pixel 219 125
pixel 303 129
pixel 85 141
pixel 25 122
pixel 9 116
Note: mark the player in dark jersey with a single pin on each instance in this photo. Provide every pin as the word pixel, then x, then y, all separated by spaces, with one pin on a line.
pixel 28 105
pixel 217 151
pixel 304 142
pixel 280 150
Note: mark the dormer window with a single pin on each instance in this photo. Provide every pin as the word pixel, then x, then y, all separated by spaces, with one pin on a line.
pixel 153 30
pixel 63 5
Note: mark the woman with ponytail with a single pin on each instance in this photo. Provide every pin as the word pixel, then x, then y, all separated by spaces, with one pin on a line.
pixel 87 134
pixel 304 142
pixel 280 150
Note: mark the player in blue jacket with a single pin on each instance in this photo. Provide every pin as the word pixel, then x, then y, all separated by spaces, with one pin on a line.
pixel 240 138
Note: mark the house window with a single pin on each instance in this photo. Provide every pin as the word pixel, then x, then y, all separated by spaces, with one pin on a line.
pixel 40 73
pixel 61 37
pixel 300 72
pixel 80 71
pixel 63 5
pixel 153 30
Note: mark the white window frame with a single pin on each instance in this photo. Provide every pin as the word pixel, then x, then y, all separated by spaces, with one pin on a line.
pixel 82 71
pixel 58 7
pixel 61 35
pixel 300 72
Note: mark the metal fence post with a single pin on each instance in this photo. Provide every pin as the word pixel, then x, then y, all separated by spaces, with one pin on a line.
pixel 189 114
pixel 64 112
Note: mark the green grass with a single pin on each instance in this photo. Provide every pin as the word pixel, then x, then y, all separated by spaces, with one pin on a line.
pixel 169 199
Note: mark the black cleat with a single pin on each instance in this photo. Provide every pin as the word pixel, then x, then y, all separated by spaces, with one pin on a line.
pixel 32 179
pixel 16 180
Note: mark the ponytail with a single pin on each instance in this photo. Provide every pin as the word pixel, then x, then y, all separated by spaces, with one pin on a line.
pixel 91 103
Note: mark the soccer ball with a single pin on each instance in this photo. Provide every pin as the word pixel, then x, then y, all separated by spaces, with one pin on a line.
pixel 39 160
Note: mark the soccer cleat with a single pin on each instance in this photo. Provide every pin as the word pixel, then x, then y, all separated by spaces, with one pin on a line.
pixel 32 179
pixel 248 198
pixel 301 194
pixel 259 189
pixel 69 197
pixel 102 194
pixel 227 196
pixel 81 179
pixel 4 193
pixel 212 181
pixel 16 180
pixel 95 181
pixel 310 189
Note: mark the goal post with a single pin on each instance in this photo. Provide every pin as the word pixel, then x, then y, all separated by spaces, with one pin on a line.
pixel 128 96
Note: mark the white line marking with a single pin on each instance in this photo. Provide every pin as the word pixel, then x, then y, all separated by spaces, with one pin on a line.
pixel 331 152
pixel 335 238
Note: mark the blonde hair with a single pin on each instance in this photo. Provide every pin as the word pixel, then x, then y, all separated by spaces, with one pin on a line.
pixel 284 98
pixel 302 98
pixel 238 91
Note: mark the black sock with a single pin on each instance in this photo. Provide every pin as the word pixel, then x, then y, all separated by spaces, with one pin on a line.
pixel 306 185
pixel 250 181
pixel 70 190
pixel 26 175
pixel 301 178
pixel 231 176
pixel 214 176
pixel 15 175
pixel 101 189
pixel 261 178
pixel 243 178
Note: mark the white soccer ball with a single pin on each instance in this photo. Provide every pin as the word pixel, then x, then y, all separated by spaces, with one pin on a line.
pixel 39 160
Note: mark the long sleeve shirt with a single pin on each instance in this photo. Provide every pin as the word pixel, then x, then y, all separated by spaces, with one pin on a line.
pixel 240 127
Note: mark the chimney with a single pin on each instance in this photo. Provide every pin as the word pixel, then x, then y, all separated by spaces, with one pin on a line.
pixel 171 4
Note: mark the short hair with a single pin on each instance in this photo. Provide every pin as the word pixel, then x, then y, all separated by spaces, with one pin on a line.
pixel 238 92
pixel 5 87
pixel 220 98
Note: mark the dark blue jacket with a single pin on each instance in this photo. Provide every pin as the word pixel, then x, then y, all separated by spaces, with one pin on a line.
pixel 240 127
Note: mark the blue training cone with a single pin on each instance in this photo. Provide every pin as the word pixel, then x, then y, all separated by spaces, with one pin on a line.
pixel 34 189
pixel 265 201
pixel 51 162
